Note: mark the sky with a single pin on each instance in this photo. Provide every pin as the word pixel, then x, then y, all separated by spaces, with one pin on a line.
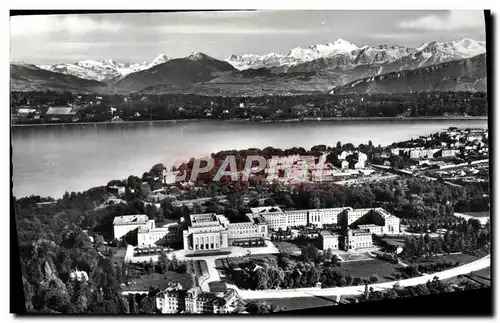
pixel 137 37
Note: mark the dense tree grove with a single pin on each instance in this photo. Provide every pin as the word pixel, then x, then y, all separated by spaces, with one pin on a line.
pixel 285 272
pixel 468 237
pixel 66 236
pixel 137 106
pixel 434 286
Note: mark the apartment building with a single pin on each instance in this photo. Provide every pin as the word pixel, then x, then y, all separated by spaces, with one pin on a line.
pixel 194 301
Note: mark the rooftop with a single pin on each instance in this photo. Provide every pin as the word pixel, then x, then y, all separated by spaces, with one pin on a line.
pixel 259 220
pixel 61 111
pixel 266 209
pixel 359 232
pixel 326 233
pixel 130 219
pixel 348 208
pixel 203 217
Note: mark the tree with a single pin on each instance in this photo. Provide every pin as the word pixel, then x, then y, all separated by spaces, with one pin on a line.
pixel 134 306
pixel 335 260
pixel 341 281
pixel 262 279
pixel 314 202
pixel 374 278
pixel 348 147
pixel 327 255
pixel 310 253
pixel 269 202
pixel 174 262
pixel 150 266
pixel 147 305
pixel 197 208
pixel 163 263
pixel 366 294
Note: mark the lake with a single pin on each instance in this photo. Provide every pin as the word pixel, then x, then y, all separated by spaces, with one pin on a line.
pixel 50 160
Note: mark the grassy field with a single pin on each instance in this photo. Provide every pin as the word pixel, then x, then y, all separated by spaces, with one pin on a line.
pixel 299 303
pixel 484 273
pixel 222 265
pixel 394 241
pixel 160 280
pixel 461 258
pixel 287 247
pixel 235 262
pixel 365 268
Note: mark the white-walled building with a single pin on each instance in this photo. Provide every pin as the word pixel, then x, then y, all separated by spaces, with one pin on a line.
pixel 321 217
pixel 205 232
pixel 295 218
pixel 175 300
pixel 169 233
pixel 126 223
pixel 211 231
pixel 330 240
pixel 358 239
pixel 376 221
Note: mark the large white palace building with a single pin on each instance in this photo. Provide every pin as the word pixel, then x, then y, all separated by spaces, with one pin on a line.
pixel 210 231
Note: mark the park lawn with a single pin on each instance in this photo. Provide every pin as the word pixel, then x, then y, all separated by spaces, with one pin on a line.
pixel 222 265
pixel 394 241
pixel 287 247
pixel 484 273
pixel 235 262
pixel 299 303
pixel 160 280
pixel 461 258
pixel 366 268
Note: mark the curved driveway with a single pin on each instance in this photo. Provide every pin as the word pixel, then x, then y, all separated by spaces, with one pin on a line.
pixel 358 290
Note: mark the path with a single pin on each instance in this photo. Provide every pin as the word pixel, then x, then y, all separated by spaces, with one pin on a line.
pixel 210 260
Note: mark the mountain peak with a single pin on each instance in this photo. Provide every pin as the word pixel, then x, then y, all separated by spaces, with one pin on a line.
pixel 467 43
pixel 342 41
pixel 109 61
pixel 197 56
pixel 160 59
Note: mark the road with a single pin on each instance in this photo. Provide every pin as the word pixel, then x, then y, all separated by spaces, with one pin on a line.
pixel 358 290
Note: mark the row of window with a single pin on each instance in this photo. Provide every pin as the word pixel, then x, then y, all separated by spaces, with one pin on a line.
pixel 207 246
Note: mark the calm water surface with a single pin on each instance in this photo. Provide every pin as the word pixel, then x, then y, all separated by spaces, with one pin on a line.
pixel 51 160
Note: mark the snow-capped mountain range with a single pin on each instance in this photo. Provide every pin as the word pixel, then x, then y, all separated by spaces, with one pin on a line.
pixel 104 70
pixel 346 60
pixel 344 55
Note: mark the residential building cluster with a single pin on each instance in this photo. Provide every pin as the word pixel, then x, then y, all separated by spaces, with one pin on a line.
pixel 453 142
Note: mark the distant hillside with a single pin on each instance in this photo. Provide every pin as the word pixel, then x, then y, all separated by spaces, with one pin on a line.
pixel 460 75
pixel 32 78
pixel 193 69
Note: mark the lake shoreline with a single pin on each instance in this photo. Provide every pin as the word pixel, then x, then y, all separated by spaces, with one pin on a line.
pixel 441 118
pixel 45 158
